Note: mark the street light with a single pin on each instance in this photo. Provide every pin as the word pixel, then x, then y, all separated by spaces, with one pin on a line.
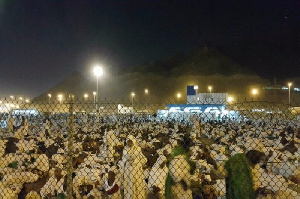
pixel 85 96
pixel 21 98
pixel 60 97
pixel 94 93
pixel 98 71
pixel 49 95
pixel 132 97
pixel 178 96
pixel 290 84
pixel 254 92
pixel 146 93
pixel 230 99
pixel 210 88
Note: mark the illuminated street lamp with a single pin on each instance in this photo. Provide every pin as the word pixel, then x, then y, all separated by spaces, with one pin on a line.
pixel 146 93
pixel 60 97
pixel 27 100
pixel 49 95
pixel 230 99
pixel 132 97
pixel 94 93
pixel 21 98
pixel 12 97
pixel 254 92
pixel 290 84
pixel 210 88
pixel 98 71
pixel 85 96
pixel 178 96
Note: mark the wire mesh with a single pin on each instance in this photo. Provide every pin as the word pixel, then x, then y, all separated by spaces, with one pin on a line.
pixel 128 149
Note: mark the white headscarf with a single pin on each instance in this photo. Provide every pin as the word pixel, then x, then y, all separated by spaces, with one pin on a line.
pixel 132 138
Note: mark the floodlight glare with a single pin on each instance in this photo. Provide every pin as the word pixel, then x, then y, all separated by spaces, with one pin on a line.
pixel 98 71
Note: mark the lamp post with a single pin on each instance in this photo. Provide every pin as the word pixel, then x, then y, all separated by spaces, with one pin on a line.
pixel 209 88
pixel 94 93
pixel 132 98
pixel 60 97
pixel 146 93
pixel 290 84
pixel 85 96
pixel 254 92
pixel 178 96
pixel 230 99
pixel 98 71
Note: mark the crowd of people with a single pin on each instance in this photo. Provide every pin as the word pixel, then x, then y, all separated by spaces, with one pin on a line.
pixel 139 156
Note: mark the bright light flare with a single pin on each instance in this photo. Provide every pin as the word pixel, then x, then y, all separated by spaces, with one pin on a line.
pixel 98 71
pixel 254 91
pixel 209 88
pixel 60 97
pixel 178 95
pixel 230 99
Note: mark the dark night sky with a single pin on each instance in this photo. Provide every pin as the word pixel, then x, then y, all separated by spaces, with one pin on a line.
pixel 44 41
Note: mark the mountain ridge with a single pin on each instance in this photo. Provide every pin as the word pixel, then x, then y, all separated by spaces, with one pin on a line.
pixel 201 61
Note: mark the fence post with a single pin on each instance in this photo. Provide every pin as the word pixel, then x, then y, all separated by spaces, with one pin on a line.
pixel 70 150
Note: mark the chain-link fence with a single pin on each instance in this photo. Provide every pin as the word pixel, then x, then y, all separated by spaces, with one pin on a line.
pixel 135 150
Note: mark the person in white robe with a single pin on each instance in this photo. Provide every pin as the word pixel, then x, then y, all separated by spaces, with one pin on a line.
pixel 133 162
pixel 109 142
pixel 179 171
pixel 55 184
pixel 158 176
pixel 10 124
pixel 41 163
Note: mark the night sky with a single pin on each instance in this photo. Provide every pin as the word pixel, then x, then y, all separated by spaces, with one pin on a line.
pixel 44 41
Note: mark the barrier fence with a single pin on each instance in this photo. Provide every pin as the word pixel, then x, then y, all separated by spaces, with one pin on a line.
pixel 129 149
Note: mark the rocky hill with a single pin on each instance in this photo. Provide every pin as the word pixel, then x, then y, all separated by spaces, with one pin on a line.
pixel 200 61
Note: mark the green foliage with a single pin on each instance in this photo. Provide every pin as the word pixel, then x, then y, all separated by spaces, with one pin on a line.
pixel 239 182
pixel 13 165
